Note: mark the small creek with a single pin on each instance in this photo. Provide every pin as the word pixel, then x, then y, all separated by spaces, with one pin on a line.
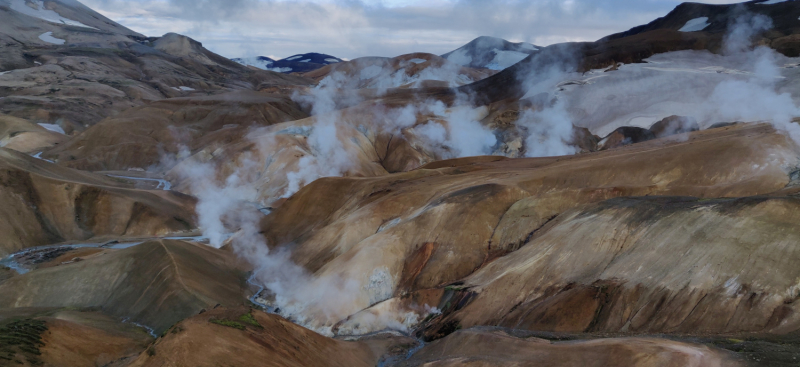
pixel 23 261
pixel 162 183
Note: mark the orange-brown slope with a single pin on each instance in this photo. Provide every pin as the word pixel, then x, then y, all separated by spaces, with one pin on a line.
pixel 89 339
pixel 142 136
pixel 221 337
pixel 24 136
pixel 43 203
pixel 416 70
pixel 652 264
pixel 156 283
pixel 430 227
pixel 496 348
pixel 68 338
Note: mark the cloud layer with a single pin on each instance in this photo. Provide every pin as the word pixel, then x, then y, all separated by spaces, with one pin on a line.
pixel 355 28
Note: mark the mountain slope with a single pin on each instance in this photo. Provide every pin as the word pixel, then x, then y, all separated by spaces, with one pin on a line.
pixel 74 76
pixel 408 226
pixel 639 44
pixel 413 70
pixel 43 203
pixel 490 53
pixel 261 62
pixel 156 283
pixel 140 137
pixel 304 62
pixel 694 17
pixel 300 63
pixel 266 340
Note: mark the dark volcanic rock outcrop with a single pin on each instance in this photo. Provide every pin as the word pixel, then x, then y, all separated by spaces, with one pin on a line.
pixel 625 135
pixel 674 125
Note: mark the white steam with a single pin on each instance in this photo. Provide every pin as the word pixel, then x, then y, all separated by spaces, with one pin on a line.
pixel 742 84
pixel 755 98
pixel 225 206
pixel 456 132
pixel 230 202
pixel 326 156
pixel 550 131
pixel 383 74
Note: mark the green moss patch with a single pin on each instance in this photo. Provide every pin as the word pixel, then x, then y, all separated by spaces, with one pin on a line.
pixel 228 323
pixel 241 323
pixel 250 320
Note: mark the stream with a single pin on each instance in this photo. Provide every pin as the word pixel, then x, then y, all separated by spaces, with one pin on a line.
pixel 22 261
pixel 162 183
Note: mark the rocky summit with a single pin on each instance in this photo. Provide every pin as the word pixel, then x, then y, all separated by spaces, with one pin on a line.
pixel 631 201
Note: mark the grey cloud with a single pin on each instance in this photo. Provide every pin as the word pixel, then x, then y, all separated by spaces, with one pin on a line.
pixel 353 28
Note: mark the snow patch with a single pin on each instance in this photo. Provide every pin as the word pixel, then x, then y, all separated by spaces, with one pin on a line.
pixel 463 79
pixel 48 37
pixel 306 60
pixel 294 57
pixel 528 46
pixel 183 89
pixel 53 128
pixel 504 59
pixel 460 57
pixel 332 61
pixel 418 61
pixel 370 72
pixel 770 2
pixel 696 24
pixel 255 62
pixel 37 10
pixel 280 70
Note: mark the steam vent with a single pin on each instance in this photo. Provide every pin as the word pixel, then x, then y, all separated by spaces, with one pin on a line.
pixel 404 183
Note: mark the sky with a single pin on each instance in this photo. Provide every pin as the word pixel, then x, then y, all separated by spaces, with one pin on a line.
pixel 356 28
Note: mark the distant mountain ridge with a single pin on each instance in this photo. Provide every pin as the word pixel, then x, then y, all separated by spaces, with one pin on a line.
pixel 490 53
pixel 715 19
pixel 261 62
pixel 299 63
pixel 52 44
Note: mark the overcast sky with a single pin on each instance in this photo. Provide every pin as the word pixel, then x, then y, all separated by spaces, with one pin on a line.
pixel 355 28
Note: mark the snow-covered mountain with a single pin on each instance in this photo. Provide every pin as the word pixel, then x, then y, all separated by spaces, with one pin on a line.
pixel 490 53
pixel 261 62
pixel 299 63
